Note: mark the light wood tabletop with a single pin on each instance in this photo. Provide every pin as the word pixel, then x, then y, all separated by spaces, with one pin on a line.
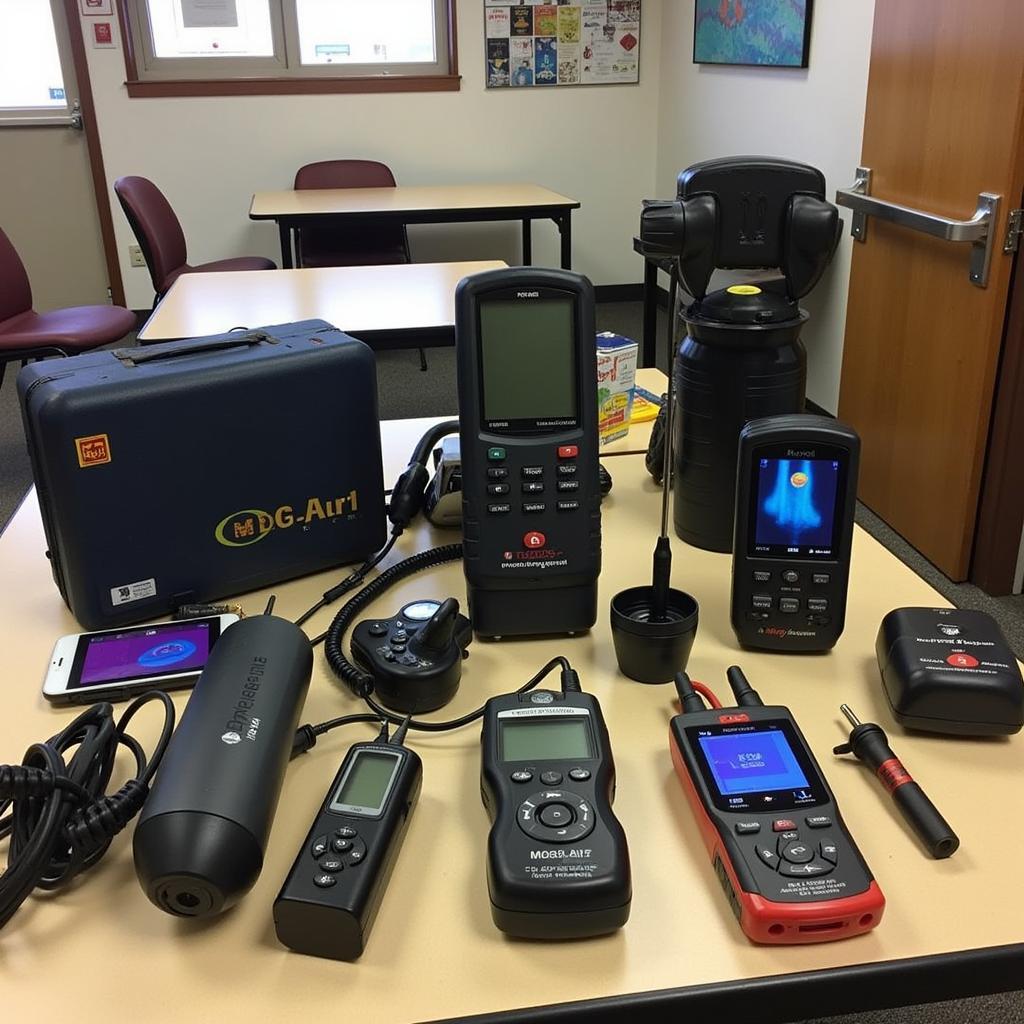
pixel 403 200
pixel 401 298
pixel 102 948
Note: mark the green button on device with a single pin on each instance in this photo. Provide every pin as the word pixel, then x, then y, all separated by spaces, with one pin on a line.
pixel 496 454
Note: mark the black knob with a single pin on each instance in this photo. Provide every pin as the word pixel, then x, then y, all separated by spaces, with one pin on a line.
pixel 437 634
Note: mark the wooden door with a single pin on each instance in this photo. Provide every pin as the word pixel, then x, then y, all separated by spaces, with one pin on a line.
pixel 942 124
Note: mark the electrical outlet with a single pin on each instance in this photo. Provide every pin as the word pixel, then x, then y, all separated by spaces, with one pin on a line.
pixel 135 256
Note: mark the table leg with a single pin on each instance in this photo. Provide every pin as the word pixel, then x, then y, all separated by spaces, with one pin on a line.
pixel 527 242
pixel 650 340
pixel 564 222
pixel 285 232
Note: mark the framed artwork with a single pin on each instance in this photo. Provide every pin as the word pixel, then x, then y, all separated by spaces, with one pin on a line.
pixel 765 33
pixel 571 42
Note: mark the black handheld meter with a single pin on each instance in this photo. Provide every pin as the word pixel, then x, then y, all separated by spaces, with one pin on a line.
pixel 330 898
pixel 557 861
pixel 531 495
pixel 796 493
pixel 788 866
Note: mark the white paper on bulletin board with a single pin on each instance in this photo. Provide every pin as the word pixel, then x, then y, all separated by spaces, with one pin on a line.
pixel 590 42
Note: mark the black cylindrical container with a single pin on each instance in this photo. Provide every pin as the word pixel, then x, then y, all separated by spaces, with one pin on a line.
pixel 200 839
pixel 741 359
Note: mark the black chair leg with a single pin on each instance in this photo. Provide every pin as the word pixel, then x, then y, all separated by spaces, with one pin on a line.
pixel 423 361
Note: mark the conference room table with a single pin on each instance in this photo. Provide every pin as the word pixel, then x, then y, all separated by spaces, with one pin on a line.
pixel 417 204
pixel 951 928
pixel 408 305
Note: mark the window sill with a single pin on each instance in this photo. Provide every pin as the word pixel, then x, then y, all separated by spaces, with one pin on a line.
pixel 291 86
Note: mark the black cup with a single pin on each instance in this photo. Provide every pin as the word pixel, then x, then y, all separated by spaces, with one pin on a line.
pixel 652 652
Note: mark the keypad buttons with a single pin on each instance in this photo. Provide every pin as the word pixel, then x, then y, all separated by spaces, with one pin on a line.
pixel 783 825
pixel 568 506
pixel 551 804
pixel 497 473
pixel 319 847
pixel 341 845
pixel 567 469
pixel 551 778
pixel 791 576
pixel 331 864
pixel 789 605
pixel 829 850
pixel 762 576
pixel 579 774
pixel 555 816
pixel 324 880
pixel 531 507
pixel 747 828
pixel 521 775
pixel 768 856
pixel 346 832
pixel 378 629
pixel 532 472
pixel 761 602
pixel 533 487
pixel 817 604
pixel 496 454
pixel 568 451
pixel 818 821
pixel 534 539
pixel 568 485
pixel 821 578
pixel 788 837
pixel 497 490
pixel 798 853
pixel 815 867
pixel 499 508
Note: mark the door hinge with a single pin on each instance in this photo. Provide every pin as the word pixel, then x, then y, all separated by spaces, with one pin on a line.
pixel 1014 229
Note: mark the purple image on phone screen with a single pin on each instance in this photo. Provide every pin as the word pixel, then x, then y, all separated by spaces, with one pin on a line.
pixel 136 653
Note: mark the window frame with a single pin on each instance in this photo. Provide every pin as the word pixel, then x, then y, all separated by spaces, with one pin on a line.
pixel 50 117
pixel 147 76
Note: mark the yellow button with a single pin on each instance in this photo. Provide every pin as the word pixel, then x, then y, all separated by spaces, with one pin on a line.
pixel 744 289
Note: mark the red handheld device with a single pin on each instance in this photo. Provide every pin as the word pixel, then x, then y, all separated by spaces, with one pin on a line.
pixel 788 866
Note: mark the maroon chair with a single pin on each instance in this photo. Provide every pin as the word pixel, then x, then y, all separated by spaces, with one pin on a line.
pixel 158 232
pixel 342 246
pixel 26 334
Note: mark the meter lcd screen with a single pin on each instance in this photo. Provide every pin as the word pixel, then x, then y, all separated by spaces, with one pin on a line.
pixel 546 739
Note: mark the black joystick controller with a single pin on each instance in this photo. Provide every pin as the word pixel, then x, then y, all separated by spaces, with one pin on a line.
pixel 415 657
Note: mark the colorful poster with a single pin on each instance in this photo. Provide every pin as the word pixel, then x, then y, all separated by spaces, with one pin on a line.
pixel 522 21
pixel 568 42
pixel 545 20
pixel 497 19
pixel 497 63
pixel 521 61
pixel 568 24
pixel 545 61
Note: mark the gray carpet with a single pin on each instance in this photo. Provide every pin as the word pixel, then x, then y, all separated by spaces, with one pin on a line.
pixel 405 391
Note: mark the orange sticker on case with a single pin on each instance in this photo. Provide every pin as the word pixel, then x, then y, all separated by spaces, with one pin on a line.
pixel 93 450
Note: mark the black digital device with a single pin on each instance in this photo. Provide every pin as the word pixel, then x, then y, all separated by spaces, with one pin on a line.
pixel 557 860
pixel 330 899
pixel 415 657
pixel 796 494
pixel 531 494
pixel 778 844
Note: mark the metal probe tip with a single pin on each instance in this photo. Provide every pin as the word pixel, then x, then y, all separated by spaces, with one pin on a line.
pixel 850 716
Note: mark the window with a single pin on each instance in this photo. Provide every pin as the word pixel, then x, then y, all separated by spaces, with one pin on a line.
pixel 32 76
pixel 196 47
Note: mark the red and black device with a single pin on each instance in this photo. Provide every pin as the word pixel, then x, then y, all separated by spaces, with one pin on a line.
pixel 778 844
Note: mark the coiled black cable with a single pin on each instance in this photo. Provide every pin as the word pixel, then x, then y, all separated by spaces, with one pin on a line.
pixel 61 819
pixel 358 681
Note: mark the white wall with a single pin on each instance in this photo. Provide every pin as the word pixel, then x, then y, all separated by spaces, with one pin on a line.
pixel 209 154
pixel 815 115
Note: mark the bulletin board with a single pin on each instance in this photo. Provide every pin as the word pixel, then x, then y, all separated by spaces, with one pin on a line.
pixel 588 42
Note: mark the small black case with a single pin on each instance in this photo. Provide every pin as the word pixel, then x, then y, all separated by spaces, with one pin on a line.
pixel 192 470
pixel 950 670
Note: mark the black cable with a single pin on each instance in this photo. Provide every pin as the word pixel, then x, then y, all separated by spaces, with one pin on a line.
pixel 61 818
pixel 358 681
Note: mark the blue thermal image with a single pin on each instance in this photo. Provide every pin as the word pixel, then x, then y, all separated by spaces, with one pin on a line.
pixel 791 501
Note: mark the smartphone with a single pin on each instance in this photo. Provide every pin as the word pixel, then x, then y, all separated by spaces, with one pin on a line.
pixel 117 664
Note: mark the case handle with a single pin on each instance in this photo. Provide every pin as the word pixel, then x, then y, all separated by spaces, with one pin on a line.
pixel 136 357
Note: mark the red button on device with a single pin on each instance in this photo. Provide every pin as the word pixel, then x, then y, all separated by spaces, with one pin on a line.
pixel 533 539
pixel 568 451
pixel 963 661
pixel 783 825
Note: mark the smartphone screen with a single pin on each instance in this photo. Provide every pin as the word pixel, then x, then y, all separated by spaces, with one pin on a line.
pixel 143 652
